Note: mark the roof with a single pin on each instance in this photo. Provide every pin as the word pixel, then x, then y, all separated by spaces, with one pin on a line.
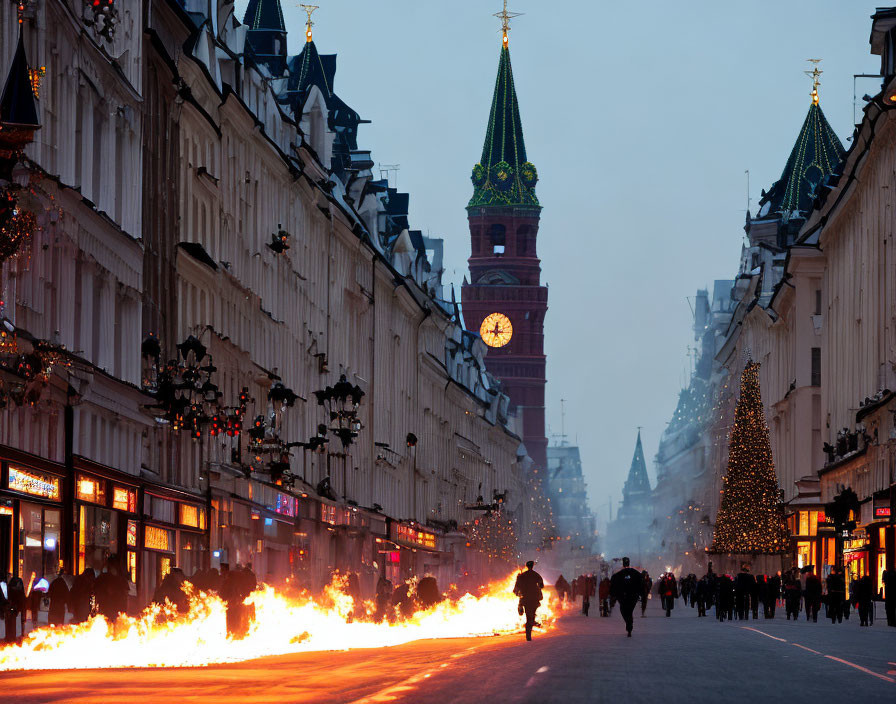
pixel 17 105
pixel 264 14
pixel 815 156
pixel 504 176
pixel 638 483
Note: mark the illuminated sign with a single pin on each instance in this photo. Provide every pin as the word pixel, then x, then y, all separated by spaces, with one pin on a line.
pixel 189 515
pixel 286 505
pixel 413 536
pixel 157 539
pixel 124 499
pixel 328 514
pixel 132 534
pixel 90 489
pixel 37 484
pixel 5 510
pixel 882 512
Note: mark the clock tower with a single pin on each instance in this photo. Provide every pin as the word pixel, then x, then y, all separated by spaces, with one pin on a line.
pixel 504 299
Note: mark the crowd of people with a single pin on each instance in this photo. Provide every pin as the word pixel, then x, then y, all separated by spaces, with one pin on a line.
pixel 739 596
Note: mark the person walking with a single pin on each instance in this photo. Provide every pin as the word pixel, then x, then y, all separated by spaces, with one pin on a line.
pixel 111 591
pixel 81 596
pixel 888 579
pixel 528 587
pixel 646 586
pixel 744 588
pixel 668 592
pixel 836 595
pixel 58 594
pixel 812 596
pixel 603 593
pixel 774 593
pixel 863 593
pixel 725 597
pixel 792 594
pixel 562 587
pixel 626 587
pixel 701 593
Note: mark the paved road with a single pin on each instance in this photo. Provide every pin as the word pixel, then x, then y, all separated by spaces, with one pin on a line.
pixel 678 659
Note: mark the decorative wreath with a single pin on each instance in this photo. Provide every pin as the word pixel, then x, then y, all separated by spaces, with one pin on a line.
pixel 529 174
pixel 478 176
pixel 502 176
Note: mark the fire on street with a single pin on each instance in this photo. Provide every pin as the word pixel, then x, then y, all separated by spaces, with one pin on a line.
pixel 581 660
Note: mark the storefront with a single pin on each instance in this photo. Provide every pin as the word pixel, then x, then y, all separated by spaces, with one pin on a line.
pixel 107 520
pixel 175 535
pixel 31 519
pixel 418 552
pixel 812 541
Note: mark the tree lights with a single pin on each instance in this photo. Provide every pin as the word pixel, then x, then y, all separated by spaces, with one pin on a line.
pixel 751 517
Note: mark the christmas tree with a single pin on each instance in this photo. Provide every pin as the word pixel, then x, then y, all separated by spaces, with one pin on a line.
pixel 751 518
pixel 542 532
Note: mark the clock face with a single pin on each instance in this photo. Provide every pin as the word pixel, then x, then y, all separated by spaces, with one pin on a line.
pixel 496 330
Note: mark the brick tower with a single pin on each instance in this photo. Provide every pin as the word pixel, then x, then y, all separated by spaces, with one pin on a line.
pixel 504 299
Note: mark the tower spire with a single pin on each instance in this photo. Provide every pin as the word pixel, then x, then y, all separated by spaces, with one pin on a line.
pixel 505 18
pixel 309 10
pixel 814 74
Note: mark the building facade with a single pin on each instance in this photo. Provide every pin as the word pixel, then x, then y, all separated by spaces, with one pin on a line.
pixel 576 526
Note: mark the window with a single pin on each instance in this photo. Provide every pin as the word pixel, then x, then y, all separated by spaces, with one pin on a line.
pixel 522 240
pixel 497 235
pixel 816 366
pixel 818 301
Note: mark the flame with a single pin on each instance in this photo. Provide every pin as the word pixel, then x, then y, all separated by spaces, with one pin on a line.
pixel 160 637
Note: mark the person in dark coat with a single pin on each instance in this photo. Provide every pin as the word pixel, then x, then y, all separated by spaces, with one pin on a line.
pixel 383 598
pixel 744 587
pixel 528 587
pixel 668 592
pixel 888 580
pixel 792 595
pixel 428 594
pixel 111 592
pixel 774 593
pixel 836 595
pixel 701 595
pixel 237 585
pixel 862 595
pixel 646 586
pixel 589 590
pixel 603 593
pixel 81 596
pixel 171 589
pixel 626 587
pixel 725 597
pixel 16 607
pixel 562 587
pixel 58 594
pixel 8 610
pixel 812 596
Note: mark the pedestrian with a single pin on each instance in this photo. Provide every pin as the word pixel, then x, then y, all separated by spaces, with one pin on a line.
pixel 58 594
pixel 8 608
pixel 528 588
pixel 603 593
pixel 836 595
pixel 111 591
pixel 171 589
pixel 428 594
pixel 383 597
pixel 701 594
pixel 761 596
pixel 725 597
pixel 812 596
pixel 17 606
pixel 792 595
pixel 668 592
pixel 744 587
pixel 888 579
pixel 562 587
pixel 862 594
pixel 646 586
pixel 81 597
pixel 626 587
pixel 774 593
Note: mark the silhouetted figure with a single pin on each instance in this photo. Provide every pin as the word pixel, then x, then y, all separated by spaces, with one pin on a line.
pixel 171 589
pixel 237 584
pixel 603 593
pixel 724 597
pixel 58 594
pixel 744 588
pixel 562 587
pixel 383 597
pixel 528 588
pixel 646 586
pixel 862 594
pixel 836 595
pixel 626 587
pixel 668 592
pixel 792 594
pixel 701 595
pixel 774 593
pixel 888 579
pixel 428 594
pixel 812 596
pixel 111 592
pixel 81 595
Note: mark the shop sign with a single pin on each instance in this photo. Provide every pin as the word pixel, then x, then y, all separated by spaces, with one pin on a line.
pixel 90 489
pixel 157 539
pixel 286 505
pixel 853 556
pixel 328 514
pixel 35 483
pixel 124 499
pixel 5 510
pixel 132 534
pixel 882 512
pixel 413 536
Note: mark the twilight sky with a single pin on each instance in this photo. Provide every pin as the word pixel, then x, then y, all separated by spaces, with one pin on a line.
pixel 641 119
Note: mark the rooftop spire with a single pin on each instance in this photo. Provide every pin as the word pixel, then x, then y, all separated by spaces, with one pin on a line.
pixel 504 176
pixel 814 73
pixel 309 10
pixel 637 486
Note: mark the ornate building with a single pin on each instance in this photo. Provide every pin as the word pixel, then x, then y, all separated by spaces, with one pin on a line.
pixel 629 532
pixel 572 515
pixel 504 299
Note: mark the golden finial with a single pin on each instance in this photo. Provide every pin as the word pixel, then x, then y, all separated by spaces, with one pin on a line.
pixel 814 74
pixel 505 18
pixel 309 10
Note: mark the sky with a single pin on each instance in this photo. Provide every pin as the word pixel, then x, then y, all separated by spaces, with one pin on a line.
pixel 642 119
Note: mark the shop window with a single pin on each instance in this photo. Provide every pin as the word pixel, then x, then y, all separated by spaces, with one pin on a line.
pixel 39 530
pixel 132 534
pixel 189 515
pixel 91 489
pixel 804 523
pixel 46 486
pixel 813 523
pixel 816 366
pixel 97 537
pixel 155 538
pixel 124 499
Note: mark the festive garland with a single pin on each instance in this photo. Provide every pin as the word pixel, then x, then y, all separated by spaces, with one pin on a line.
pixel 479 175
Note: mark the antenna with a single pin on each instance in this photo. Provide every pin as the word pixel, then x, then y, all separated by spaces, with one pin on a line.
pixel 505 18
pixel 747 172
pixel 814 74
pixel 387 169
pixel 309 10
pixel 562 421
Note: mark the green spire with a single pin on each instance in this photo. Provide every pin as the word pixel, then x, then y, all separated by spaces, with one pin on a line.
pixel 504 177
pixel 816 154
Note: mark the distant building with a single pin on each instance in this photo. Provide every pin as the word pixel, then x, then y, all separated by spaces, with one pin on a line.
pixel 629 533
pixel 576 526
